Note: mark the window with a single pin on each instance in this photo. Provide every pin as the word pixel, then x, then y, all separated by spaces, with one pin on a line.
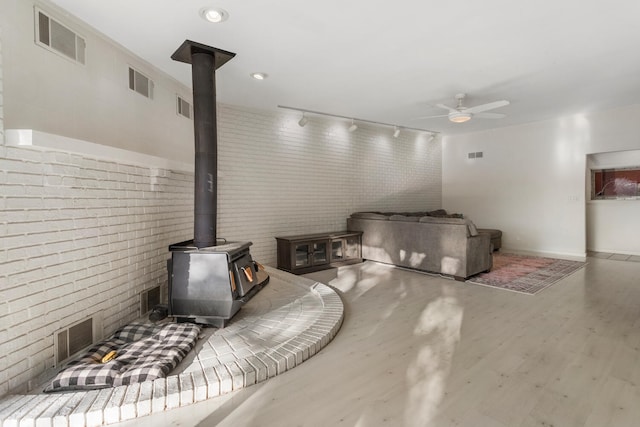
pixel 184 107
pixel 140 83
pixel 619 183
pixel 54 36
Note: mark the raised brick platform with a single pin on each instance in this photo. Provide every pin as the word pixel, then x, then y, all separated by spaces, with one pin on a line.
pixel 287 322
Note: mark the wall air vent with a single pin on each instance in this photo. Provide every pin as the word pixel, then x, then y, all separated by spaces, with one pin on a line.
pixel 71 340
pixel 140 83
pixel 184 107
pixel 54 36
pixel 149 299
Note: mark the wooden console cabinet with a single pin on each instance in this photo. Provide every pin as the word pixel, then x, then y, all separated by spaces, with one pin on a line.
pixel 312 252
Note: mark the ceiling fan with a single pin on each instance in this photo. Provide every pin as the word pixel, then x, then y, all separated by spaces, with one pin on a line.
pixel 461 114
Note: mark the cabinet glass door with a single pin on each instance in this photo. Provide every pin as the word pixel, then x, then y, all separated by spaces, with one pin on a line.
pixel 352 247
pixel 301 252
pixel 337 251
pixel 320 253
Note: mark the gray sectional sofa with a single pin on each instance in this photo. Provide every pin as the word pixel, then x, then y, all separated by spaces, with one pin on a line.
pixel 441 244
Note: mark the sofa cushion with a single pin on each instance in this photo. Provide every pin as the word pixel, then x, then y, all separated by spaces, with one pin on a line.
pixel 143 353
pixel 369 215
pixel 442 220
pixel 473 231
pixel 441 213
pixel 418 214
pixel 471 227
pixel 404 218
pixel 437 212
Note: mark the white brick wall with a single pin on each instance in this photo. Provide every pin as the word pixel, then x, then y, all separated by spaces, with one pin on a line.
pixel 276 178
pixel 80 236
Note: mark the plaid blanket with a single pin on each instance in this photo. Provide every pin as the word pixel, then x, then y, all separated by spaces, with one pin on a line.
pixel 143 352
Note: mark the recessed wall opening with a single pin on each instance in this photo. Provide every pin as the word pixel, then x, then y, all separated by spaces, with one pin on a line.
pixel 615 183
pixel 613 202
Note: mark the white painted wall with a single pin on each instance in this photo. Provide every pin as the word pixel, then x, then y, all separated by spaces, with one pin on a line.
pixel 91 102
pixel 613 225
pixel 84 228
pixel 531 181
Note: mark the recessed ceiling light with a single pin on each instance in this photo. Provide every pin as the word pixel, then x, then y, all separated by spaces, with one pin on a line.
pixel 259 76
pixel 214 15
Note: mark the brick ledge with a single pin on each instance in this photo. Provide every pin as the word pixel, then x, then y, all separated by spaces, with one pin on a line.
pixel 294 332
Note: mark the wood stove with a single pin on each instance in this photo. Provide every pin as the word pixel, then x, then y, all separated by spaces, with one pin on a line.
pixel 208 283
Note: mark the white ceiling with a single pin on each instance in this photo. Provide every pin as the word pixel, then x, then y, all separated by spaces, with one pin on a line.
pixel 392 61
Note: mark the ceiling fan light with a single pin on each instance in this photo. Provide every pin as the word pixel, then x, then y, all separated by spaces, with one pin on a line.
pixel 459 117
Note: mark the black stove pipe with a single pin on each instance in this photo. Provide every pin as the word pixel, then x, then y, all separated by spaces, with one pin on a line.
pixel 204 61
pixel 206 155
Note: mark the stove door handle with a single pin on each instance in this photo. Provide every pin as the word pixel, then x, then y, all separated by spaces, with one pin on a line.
pixel 247 272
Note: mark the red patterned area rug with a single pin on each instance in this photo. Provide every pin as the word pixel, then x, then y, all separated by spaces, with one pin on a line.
pixel 525 274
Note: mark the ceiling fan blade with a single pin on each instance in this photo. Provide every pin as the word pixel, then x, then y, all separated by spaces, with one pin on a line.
pixel 490 115
pixel 446 107
pixel 487 107
pixel 430 117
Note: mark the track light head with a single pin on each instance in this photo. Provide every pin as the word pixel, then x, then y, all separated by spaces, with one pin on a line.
pixel 353 127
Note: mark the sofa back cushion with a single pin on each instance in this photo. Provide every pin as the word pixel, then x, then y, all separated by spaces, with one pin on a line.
pixel 471 227
pixel 404 218
pixel 369 215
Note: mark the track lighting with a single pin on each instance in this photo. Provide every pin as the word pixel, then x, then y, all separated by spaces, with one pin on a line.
pixel 396 130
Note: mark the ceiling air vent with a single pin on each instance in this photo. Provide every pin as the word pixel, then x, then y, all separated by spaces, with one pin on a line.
pixel 184 107
pixel 58 38
pixel 140 83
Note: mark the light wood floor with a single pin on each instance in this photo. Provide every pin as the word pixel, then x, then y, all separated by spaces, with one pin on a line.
pixel 418 350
